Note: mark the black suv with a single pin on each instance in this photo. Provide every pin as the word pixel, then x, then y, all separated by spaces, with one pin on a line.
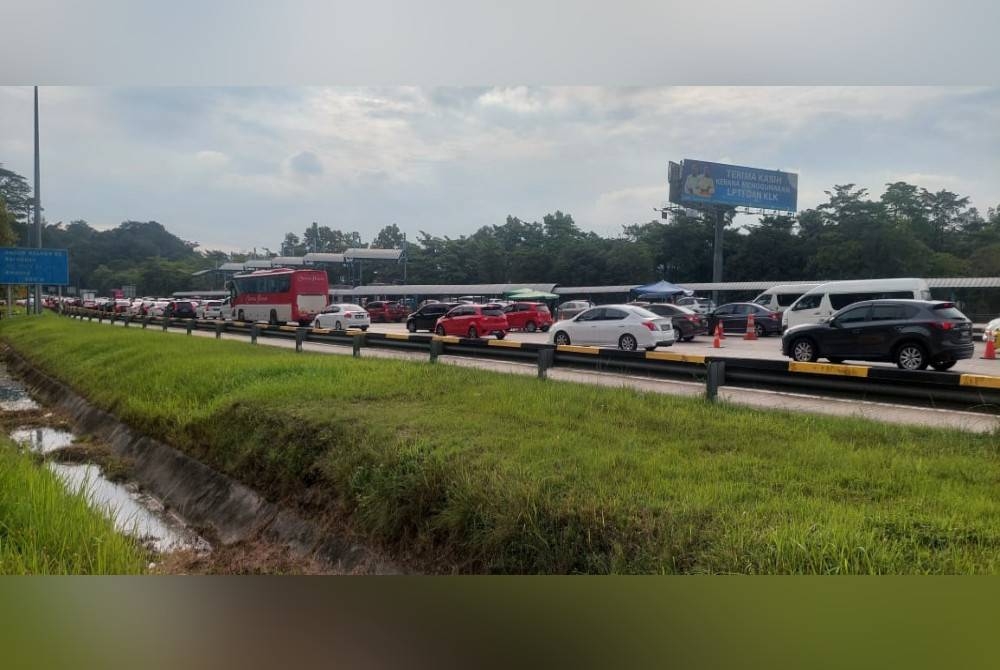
pixel 426 317
pixel 910 333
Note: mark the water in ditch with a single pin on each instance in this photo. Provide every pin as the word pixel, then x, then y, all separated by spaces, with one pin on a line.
pixel 134 512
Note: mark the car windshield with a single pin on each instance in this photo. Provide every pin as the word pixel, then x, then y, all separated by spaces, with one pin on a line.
pixel 764 299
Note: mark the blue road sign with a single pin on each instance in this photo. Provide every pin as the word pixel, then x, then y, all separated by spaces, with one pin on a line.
pixel 34 266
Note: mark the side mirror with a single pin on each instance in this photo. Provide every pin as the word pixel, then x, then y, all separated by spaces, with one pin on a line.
pixel 833 323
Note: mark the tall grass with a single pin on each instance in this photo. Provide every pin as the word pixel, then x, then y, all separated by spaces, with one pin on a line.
pixel 463 469
pixel 47 530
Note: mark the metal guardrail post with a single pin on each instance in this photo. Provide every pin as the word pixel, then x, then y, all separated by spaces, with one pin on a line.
pixel 437 348
pixel 100 317
pixel 300 336
pixel 254 332
pixel 716 378
pixel 218 330
pixel 166 322
pixel 190 326
pixel 546 358
pixel 357 341
pixel 126 321
pixel 145 321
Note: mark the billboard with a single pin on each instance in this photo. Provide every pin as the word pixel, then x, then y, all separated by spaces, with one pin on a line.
pixel 705 183
pixel 34 266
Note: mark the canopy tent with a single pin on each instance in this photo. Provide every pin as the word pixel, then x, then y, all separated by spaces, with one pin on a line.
pixel 663 288
pixel 530 294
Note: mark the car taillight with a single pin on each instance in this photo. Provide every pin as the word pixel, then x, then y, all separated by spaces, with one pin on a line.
pixel 649 324
pixel 694 319
pixel 348 315
pixel 776 316
pixel 943 325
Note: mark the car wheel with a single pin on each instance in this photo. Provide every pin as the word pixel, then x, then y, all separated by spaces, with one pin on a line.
pixel 561 338
pixel 439 330
pixel 473 333
pixel 838 361
pixel 627 342
pixel 411 326
pixel 941 366
pixel 687 339
pixel 240 316
pixel 545 329
pixel 759 330
pixel 500 334
pixel 530 327
pixel 911 356
pixel 804 351
pixel 338 326
pixel 273 318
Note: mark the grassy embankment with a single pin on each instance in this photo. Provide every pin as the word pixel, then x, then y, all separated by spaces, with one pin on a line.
pixel 47 530
pixel 476 471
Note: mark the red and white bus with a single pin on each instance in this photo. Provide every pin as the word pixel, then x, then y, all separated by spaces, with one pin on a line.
pixel 279 296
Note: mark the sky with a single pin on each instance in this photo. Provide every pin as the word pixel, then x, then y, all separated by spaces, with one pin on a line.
pixel 235 168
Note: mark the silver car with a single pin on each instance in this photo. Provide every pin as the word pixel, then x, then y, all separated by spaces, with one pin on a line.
pixel 568 310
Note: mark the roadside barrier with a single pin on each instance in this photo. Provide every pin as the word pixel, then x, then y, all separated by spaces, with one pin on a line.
pixel 922 388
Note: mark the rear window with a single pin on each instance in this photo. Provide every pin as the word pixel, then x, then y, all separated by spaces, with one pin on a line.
pixel 542 308
pixel 949 312
pixel 645 313
pixel 492 311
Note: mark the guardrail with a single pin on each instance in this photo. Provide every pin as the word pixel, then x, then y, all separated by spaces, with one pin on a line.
pixel 923 388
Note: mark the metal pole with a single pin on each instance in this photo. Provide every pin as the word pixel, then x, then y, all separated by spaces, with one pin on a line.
pixel 717 256
pixel 38 206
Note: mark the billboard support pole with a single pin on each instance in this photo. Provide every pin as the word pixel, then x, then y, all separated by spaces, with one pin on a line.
pixel 717 251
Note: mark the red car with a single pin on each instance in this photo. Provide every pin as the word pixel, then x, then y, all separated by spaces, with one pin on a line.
pixel 473 321
pixel 529 316
pixel 383 310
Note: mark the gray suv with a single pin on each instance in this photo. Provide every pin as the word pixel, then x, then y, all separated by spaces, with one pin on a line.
pixel 911 333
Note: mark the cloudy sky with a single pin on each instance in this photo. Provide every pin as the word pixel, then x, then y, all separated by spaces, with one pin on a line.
pixel 236 168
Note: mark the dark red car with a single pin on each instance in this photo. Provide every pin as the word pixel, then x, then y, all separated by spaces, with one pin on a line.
pixel 529 316
pixel 386 311
pixel 473 321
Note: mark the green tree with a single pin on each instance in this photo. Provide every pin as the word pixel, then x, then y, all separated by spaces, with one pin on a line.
pixel 7 235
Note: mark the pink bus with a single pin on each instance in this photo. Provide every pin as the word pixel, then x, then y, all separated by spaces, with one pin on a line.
pixel 279 296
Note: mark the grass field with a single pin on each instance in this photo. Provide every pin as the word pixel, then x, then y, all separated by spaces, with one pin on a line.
pixel 46 530
pixel 462 469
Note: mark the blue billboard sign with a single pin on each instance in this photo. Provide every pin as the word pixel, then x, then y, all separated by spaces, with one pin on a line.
pixel 704 183
pixel 34 266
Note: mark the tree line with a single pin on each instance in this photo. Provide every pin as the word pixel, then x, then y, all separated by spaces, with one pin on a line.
pixel 907 231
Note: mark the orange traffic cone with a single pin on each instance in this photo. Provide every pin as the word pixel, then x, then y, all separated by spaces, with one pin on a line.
pixel 718 336
pixel 751 333
pixel 991 350
pixel 720 331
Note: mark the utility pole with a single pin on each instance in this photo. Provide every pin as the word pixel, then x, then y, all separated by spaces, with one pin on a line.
pixel 38 206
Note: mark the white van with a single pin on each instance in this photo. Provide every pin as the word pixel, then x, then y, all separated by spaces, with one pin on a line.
pixel 819 303
pixel 779 298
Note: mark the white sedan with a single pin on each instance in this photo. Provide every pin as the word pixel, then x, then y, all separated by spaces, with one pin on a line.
pixel 341 316
pixel 991 328
pixel 627 327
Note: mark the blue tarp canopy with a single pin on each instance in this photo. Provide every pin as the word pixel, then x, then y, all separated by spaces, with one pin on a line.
pixel 663 288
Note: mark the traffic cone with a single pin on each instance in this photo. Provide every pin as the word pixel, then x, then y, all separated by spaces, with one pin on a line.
pixel 751 333
pixel 991 349
pixel 718 336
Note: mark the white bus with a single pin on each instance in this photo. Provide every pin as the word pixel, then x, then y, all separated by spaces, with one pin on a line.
pixel 819 303
pixel 779 298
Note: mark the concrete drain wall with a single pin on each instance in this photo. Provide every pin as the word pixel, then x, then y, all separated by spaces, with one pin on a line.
pixel 201 495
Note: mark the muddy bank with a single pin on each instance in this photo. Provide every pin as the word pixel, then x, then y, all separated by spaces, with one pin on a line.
pixel 236 515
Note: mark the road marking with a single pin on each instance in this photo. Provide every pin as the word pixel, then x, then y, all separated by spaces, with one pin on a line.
pixel 980 380
pixel 667 356
pixel 829 369
pixel 574 349
pixel 504 343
